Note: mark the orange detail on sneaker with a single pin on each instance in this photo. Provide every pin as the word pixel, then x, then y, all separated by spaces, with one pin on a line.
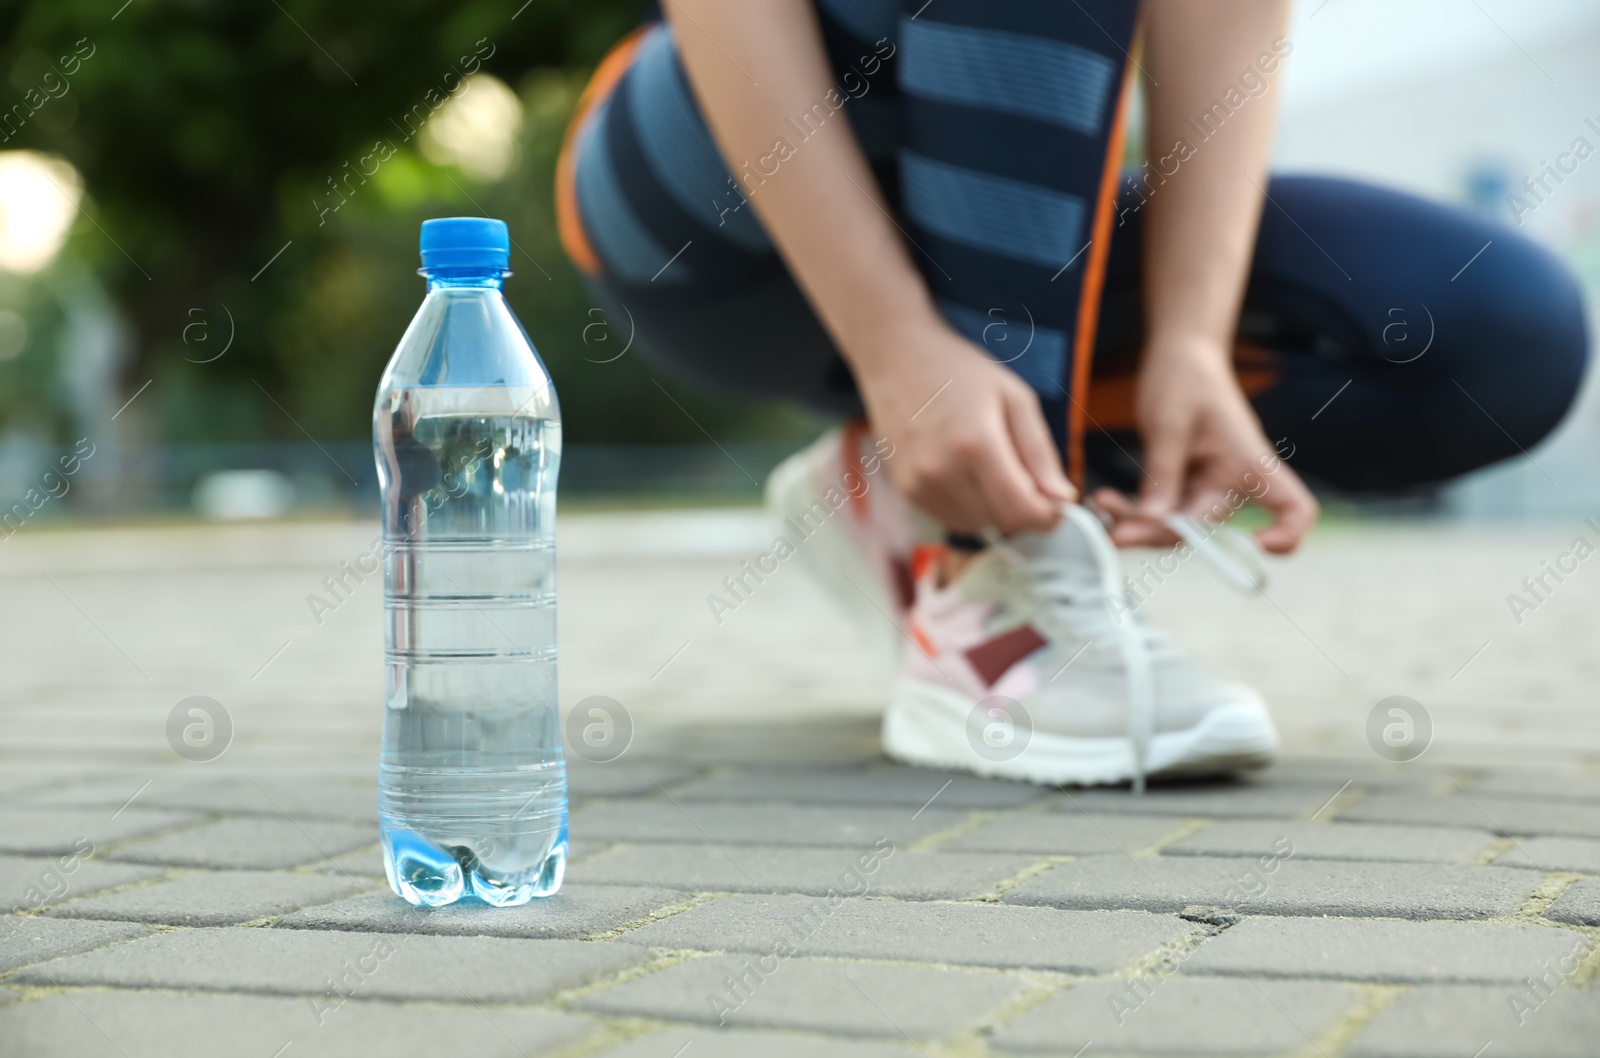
pixel 860 553
pixel 924 557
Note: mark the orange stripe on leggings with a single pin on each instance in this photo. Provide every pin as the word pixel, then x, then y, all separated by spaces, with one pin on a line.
pixel 569 225
pixel 1094 280
pixel 1111 402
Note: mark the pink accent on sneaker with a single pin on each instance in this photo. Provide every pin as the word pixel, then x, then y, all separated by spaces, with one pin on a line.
pixel 964 656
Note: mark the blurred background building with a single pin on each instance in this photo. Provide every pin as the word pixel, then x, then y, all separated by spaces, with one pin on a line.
pixel 208 216
pixel 1460 101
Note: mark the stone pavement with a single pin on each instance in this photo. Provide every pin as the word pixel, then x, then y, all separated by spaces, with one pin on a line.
pixel 750 877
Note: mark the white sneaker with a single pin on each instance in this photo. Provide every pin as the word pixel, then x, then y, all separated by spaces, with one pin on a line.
pixel 851 528
pixel 1033 666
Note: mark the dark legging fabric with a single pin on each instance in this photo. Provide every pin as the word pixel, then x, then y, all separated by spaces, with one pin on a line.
pixel 1385 341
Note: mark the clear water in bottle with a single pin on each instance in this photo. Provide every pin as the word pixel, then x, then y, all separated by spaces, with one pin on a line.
pixel 467 433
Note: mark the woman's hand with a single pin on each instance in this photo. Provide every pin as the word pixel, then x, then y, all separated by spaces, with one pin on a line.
pixel 1202 441
pixel 1201 437
pixel 972 449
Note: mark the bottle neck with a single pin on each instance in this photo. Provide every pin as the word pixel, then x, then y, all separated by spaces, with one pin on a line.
pixel 464 279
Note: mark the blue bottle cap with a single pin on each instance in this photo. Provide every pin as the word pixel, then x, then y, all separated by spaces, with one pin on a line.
pixel 466 242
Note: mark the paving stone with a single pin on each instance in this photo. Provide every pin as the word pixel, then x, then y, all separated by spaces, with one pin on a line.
pixel 362 863
pixel 625 778
pixel 1064 835
pixel 911 787
pixel 1579 905
pixel 967 934
pixel 258 843
pixel 1367 771
pixel 1502 815
pixel 1241 799
pixel 1178 1015
pixel 20 786
pixel 816 871
pixel 1537 784
pixel 43 830
pixel 307 963
pixel 823 740
pixel 1286 887
pixel 156 1024
pixel 858 999
pixel 26 939
pixel 28 883
pixel 578 849
pixel 1553 854
pixel 1383 951
pixel 214 898
pixel 758 823
pixel 575 912
pixel 736 1043
pixel 1335 841
pixel 1507 1021
pixel 303 797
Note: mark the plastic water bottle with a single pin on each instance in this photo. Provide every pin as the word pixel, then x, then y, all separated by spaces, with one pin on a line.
pixel 467 434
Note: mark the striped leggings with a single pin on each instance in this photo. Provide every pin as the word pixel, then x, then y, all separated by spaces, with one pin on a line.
pixel 1385 341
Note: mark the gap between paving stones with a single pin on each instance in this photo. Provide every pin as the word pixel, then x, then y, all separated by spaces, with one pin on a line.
pixel 1004 886
pixel 173 874
pixel 1375 1000
pixel 1348 797
pixel 1185 828
pixel 1547 892
pixel 695 900
pixel 1492 852
pixel 1033 996
pixel 111 848
pixel 165 874
pixel 975 818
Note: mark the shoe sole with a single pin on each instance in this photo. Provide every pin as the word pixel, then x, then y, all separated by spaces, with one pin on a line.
pixel 927 726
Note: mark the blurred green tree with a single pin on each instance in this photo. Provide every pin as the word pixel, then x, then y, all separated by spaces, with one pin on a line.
pixel 250 167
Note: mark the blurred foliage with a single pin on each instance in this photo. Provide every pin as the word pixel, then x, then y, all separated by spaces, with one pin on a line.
pixel 208 133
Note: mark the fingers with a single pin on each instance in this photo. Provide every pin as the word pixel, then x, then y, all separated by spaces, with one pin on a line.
pixel 1293 508
pixel 994 468
pixel 1036 448
pixel 1279 492
pixel 947 495
pixel 1166 460
pixel 1141 533
pixel 1129 526
pixel 1116 505
pixel 1013 497
pixel 976 482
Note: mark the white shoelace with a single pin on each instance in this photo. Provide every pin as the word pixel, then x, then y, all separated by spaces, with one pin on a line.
pixel 1238 562
pixel 1130 638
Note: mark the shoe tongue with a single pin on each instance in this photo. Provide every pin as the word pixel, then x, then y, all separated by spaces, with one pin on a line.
pixel 1065 543
pixel 1062 556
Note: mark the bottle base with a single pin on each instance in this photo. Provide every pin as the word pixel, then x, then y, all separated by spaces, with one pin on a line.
pixel 430 875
